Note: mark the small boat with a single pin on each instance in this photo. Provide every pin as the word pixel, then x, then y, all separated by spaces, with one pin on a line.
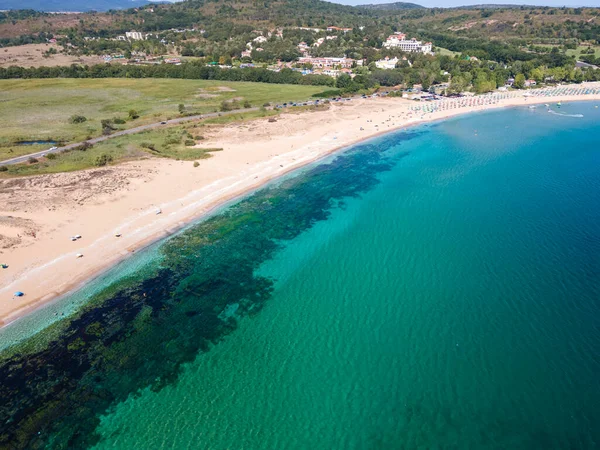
pixel 19 294
pixel 531 106
pixel 79 255
pixel 158 211
pixel 118 235
pixel 558 104
pixel 4 266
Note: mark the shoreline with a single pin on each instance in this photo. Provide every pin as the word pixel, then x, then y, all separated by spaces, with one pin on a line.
pixel 221 189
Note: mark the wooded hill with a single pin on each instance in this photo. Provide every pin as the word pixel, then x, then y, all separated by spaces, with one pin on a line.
pixel 542 23
pixel 392 6
pixel 499 34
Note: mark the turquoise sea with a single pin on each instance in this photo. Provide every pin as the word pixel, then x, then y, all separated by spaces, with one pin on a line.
pixel 434 288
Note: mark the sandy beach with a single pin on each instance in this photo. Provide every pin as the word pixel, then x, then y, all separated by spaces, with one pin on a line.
pixel 39 215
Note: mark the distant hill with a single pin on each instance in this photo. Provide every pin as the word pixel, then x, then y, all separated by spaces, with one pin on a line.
pixel 497 6
pixel 392 6
pixel 72 5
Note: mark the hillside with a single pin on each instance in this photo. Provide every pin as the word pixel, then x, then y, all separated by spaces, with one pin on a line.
pixel 391 6
pixel 204 13
pixel 73 5
pixel 495 22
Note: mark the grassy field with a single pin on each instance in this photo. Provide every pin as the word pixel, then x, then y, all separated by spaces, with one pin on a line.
pixel 444 51
pixel 174 142
pixel 577 52
pixel 32 110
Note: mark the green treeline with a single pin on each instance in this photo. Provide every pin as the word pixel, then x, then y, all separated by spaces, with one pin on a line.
pixel 185 71
pixel 426 70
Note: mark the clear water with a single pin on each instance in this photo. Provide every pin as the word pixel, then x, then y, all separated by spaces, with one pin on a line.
pixel 453 304
pixel 36 142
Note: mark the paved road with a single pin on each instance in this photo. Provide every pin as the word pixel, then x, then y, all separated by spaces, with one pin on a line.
pixel 24 158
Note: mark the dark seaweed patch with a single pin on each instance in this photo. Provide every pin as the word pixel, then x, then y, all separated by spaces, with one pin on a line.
pixel 138 336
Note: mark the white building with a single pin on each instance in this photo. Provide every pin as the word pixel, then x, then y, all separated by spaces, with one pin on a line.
pixel 135 35
pixel 330 63
pixel 387 63
pixel 303 48
pixel 390 63
pixel 398 40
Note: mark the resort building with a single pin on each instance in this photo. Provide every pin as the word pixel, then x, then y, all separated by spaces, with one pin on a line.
pixel 399 41
pixel 387 63
pixel 303 48
pixel 390 63
pixel 135 35
pixel 330 63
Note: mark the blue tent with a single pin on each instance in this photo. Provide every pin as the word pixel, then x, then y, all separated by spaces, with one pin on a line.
pixel 19 294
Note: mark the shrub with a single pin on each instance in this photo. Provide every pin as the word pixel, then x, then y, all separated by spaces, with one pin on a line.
pixel 199 138
pixel 77 119
pixel 32 160
pixel 247 104
pixel 51 156
pixel 133 114
pixel 83 147
pixel 266 105
pixel 107 126
pixel 196 163
pixel 118 120
pixel 226 106
pixel 181 108
pixel 189 142
pixel 103 160
pixel 148 145
pixel 3 169
pixel 172 140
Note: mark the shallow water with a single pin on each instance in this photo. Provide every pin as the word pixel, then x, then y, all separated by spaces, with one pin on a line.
pixel 434 288
pixel 36 142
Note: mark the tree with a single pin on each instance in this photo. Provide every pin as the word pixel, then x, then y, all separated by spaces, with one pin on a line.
pixel 519 81
pixel 77 119
pixel 133 114
pixel 343 81
pixel 537 74
pixel 181 108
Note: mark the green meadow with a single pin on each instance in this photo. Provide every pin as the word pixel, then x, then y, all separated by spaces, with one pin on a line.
pixel 41 109
pixel 174 142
